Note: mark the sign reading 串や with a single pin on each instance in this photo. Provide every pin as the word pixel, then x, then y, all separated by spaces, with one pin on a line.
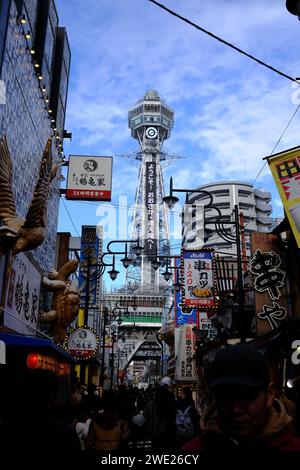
pixel 82 343
pixel 89 178
pixel 151 201
pixel 269 282
pixel 198 278
pixel 22 298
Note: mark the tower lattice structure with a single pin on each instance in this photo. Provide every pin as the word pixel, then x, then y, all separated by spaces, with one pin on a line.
pixel 150 121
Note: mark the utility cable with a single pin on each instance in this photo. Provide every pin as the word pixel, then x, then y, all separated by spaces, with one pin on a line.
pixel 232 46
pixel 277 143
pixel 70 217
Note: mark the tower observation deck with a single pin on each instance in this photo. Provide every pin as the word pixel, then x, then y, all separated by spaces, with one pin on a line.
pixel 150 121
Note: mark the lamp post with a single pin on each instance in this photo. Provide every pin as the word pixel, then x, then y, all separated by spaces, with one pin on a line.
pixel 92 276
pixel 105 315
pixel 171 200
pixel 113 337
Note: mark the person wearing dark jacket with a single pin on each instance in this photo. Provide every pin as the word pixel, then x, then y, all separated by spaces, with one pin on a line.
pixel 107 431
pixel 245 413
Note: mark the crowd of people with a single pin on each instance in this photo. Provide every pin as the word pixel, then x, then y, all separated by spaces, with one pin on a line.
pixel 244 413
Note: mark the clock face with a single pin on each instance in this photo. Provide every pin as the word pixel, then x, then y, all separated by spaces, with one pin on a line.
pixel 151 132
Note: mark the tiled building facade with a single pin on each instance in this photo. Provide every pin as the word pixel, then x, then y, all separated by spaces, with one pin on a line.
pixel 34 73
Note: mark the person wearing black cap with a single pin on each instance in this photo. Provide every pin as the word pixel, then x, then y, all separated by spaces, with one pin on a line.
pixel 245 413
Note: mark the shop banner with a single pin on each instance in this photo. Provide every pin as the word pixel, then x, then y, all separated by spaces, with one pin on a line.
pixel 269 281
pixel 183 315
pixel 185 362
pixel 285 168
pixel 198 279
pixel 90 253
pixel 22 296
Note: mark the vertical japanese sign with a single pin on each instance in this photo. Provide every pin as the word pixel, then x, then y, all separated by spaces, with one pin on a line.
pixel 198 278
pixel 151 212
pixel 205 323
pixel 266 268
pixel 89 178
pixel 285 169
pixel 183 315
pixel 185 363
pixel 22 298
pixel 89 255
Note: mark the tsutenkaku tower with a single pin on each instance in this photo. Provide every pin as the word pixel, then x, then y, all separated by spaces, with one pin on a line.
pixel 150 121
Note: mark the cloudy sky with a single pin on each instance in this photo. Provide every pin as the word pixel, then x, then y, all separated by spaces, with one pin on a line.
pixel 229 110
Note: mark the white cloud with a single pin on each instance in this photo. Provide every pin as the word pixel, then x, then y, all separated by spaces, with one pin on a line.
pixel 229 111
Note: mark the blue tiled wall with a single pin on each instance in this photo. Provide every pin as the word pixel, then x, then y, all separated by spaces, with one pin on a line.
pixel 24 119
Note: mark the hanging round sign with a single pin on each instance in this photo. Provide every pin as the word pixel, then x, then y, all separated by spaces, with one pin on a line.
pixel 82 343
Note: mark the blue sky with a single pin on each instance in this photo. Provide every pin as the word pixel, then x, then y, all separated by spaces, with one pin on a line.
pixel 229 111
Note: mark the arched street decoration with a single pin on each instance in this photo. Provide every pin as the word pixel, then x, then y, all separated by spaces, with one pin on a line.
pixel 82 343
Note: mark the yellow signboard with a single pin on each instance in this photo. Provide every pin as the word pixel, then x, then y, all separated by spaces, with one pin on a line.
pixel 285 167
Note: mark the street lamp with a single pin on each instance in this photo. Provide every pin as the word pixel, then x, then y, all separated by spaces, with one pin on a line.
pixel 293 6
pixel 224 234
pixel 172 200
pixel 136 249
pixel 164 261
pixel 113 272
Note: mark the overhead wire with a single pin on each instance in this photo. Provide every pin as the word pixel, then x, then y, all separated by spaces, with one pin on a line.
pixel 278 141
pixel 70 217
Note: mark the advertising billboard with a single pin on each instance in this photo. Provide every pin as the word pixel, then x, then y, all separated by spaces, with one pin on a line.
pixel 285 168
pixel 198 279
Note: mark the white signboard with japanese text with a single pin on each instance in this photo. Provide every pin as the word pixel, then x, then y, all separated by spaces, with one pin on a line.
pixel 89 178
pixel 22 296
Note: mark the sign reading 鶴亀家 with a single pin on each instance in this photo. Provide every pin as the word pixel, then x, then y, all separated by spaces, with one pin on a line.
pixel 22 297
pixel 89 178
pixel 82 343
pixel 198 278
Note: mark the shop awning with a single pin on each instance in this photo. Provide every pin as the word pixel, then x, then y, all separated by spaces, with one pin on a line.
pixel 34 344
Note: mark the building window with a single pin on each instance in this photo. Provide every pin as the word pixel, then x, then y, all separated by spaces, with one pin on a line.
pixel 221 192
pixel 245 205
pixel 224 205
pixel 244 193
